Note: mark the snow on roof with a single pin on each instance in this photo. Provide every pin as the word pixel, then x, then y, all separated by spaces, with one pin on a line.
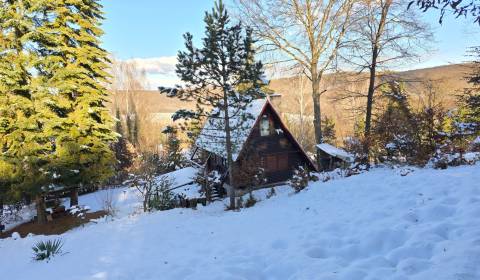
pixel 212 137
pixel 180 177
pixel 336 152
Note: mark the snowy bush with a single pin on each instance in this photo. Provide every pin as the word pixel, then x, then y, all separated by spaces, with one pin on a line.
pixel 301 177
pixel 155 192
pixel 45 250
pixel 442 160
pixel 77 211
pixel 107 201
pixel 271 193
pixel 161 197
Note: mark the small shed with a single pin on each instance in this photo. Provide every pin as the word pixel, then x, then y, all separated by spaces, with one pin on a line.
pixel 332 157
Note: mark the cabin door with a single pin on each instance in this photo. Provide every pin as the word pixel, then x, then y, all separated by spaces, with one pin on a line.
pixel 276 163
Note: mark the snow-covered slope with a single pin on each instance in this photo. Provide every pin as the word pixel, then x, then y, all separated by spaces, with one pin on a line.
pixel 378 225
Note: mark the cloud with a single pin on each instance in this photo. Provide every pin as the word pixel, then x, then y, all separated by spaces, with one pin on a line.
pixel 164 65
pixel 160 71
pixel 156 80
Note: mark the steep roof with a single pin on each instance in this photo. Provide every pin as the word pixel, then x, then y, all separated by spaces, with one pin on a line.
pixel 212 136
pixel 336 152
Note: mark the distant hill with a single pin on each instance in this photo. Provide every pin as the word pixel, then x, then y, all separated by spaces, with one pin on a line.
pixel 439 84
pixel 442 84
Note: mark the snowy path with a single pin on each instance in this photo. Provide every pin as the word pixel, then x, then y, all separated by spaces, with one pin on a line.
pixel 377 225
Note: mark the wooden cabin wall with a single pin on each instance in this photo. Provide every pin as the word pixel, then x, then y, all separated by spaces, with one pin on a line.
pixel 277 153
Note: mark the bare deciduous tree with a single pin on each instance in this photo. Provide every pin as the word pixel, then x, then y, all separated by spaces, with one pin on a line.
pixel 300 119
pixel 305 33
pixel 128 80
pixel 383 34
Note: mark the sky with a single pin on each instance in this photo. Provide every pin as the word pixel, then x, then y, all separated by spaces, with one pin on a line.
pixel 150 33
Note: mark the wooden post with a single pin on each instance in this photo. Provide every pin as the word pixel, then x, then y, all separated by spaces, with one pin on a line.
pixel 74 197
pixel 40 205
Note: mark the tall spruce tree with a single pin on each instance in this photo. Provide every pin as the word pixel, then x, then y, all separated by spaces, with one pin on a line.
pixel 73 68
pixel 215 77
pixel 25 143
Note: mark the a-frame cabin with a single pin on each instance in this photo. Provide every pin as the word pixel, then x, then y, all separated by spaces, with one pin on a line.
pixel 264 141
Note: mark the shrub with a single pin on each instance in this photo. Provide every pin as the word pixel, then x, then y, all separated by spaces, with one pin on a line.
pixel 162 198
pixel 155 191
pixel 240 202
pixel 300 178
pixel 271 193
pixel 108 202
pixel 45 250
pixel 251 201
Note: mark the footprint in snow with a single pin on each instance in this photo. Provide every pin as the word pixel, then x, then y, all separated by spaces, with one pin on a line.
pixel 279 244
pixel 316 253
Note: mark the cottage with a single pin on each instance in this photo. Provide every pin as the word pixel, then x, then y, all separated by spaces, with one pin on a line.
pixel 262 141
pixel 332 157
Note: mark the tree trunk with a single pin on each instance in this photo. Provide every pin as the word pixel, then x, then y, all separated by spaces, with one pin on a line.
pixel 371 85
pixel 228 143
pixel 317 114
pixel 74 197
pixel 368 115
pixel 28 199
pixel 41 209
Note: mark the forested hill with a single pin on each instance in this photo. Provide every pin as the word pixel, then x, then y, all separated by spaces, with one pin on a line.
pixel 442 84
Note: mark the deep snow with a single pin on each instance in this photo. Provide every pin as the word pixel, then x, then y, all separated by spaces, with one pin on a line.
pixel 377 225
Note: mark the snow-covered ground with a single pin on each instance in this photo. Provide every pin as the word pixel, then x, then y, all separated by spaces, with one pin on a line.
pixel 377 225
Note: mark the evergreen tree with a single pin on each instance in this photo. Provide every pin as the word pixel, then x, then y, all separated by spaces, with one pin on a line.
pixel 74 69
pixel 174 158
pixel 122 153
pixel 214 76
pixel 470 102
pixel 395 130
pixel 25 142
pixel 328 128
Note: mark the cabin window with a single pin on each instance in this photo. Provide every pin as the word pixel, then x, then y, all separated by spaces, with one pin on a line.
pixel 265 126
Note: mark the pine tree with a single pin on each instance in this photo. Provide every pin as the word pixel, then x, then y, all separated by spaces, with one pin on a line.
pixel 215 76
pixel 174 158
pixel 74 69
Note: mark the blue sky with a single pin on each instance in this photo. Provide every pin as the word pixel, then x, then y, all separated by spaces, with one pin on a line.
pixel 150 31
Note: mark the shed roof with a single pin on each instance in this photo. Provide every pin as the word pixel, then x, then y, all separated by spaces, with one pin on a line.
pixel 336 152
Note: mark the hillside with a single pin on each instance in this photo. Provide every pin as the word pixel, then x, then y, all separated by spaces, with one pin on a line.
pixel 441 84
pixel 377 225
